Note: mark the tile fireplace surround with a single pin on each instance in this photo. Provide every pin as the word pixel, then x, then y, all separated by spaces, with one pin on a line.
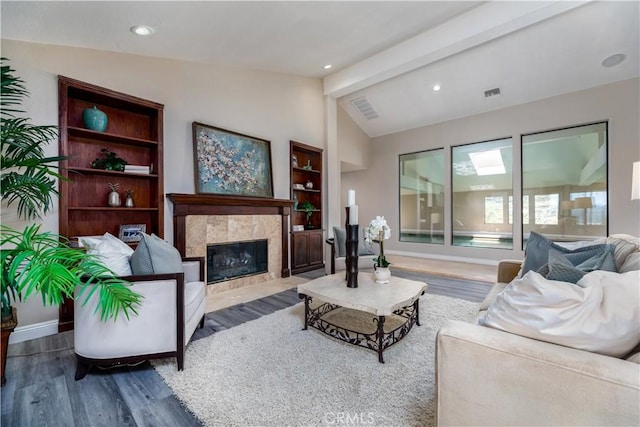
pixel 199 220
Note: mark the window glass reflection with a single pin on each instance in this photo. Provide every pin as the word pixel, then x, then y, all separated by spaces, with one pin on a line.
pixel 482 188
pixel 422 197
pixel 565 174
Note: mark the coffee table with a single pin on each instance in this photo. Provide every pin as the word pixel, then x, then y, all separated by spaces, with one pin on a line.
pixel 398 298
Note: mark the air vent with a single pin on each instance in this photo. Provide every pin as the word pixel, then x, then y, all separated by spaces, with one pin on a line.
pixel 492 92
pixel 363 105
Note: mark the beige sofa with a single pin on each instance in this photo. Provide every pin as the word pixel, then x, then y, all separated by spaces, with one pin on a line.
pixel 487 377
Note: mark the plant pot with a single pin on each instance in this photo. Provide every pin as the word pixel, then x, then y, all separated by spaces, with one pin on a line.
pixel 8 325
pixel 382 274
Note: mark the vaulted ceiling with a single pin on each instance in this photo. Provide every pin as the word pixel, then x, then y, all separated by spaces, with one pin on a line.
pixel 390 53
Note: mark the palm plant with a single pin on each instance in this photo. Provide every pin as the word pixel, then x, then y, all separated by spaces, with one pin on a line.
pixel 34 261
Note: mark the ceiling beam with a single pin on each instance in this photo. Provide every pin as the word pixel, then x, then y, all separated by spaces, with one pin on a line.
pixel 477 26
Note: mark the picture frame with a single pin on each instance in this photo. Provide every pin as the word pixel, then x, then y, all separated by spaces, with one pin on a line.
pixel 231 163
pixel 131 233
pixel 294 160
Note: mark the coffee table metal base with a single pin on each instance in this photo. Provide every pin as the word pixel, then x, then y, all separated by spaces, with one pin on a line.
pixel 377 341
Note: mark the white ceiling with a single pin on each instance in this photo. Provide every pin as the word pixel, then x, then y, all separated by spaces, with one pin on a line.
pixel 389 51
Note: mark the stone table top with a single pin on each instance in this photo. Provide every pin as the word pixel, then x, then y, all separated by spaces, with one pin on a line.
pixel 369 296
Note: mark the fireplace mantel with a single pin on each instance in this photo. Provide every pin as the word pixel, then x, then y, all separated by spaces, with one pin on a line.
pixel 201 204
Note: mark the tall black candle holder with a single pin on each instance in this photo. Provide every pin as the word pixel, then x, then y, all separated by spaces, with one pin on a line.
pixel 351 260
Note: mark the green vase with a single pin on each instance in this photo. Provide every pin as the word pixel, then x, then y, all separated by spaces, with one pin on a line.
pixel 95 119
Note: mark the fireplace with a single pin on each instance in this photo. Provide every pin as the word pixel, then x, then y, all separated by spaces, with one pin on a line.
pixel 203 220
pixel 236 259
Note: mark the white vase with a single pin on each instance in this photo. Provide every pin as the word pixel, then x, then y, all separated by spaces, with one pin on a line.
pixel 382 275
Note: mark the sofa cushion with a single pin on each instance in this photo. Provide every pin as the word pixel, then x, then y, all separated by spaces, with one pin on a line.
pixel 155 256
pixel 601 314
pixel 111 251
pixel 538 247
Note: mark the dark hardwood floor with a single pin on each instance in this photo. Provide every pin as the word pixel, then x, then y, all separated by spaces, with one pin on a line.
pixel 41 390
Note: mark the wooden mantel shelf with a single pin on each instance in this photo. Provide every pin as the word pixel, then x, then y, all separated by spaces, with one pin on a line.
pixel 209 199
pixel 207 204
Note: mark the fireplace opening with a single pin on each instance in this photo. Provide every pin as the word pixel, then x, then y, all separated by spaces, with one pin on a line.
pixel 236 259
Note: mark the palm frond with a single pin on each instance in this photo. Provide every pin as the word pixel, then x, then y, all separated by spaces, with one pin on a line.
pixel 39 263
pixel 12 90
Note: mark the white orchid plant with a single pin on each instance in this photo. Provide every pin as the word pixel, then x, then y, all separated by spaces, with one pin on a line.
pixel 378 232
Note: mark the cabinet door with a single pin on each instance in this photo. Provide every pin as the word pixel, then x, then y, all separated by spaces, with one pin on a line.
pixel 300 250
pixel 315 247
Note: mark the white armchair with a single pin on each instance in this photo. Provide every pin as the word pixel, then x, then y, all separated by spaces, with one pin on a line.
pixel 335 252
pixel 173 305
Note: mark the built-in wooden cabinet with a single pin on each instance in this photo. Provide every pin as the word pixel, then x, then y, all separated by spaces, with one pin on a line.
pixel 306 225
pixel 134 132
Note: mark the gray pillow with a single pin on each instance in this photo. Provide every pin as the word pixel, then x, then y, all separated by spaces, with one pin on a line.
pixel 562 266
pixel 364 247
pixel 340 241
pixel 537 252
pixel 155 256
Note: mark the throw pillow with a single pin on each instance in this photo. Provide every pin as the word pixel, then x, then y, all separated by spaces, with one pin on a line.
pixel 562 266
pixel 537 252
pixel 155 256
pixel 625 246
pixel 600 315
pixel 364 247
pixel 561 269
pixel 111 251
pixel 631 263
pixel 340 241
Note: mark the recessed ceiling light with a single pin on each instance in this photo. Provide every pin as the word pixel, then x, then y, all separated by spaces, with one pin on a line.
pixel 613 60
pixel 141 30
pixel 326 67
pixel 436 88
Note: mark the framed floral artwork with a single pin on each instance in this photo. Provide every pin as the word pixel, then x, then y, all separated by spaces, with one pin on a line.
pixel 230 163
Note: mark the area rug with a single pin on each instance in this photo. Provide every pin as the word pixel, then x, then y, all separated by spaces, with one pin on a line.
pixel 270 372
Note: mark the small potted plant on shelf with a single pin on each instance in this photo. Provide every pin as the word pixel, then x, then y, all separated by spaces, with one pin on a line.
pixel 36 262
pixel 308 207
pixel 110 161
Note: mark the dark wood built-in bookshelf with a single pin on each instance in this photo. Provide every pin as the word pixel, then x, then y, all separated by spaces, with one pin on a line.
pixel 307 244
pixel 135 133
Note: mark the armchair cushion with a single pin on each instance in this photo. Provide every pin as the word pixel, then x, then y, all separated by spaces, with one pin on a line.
pixel 155 256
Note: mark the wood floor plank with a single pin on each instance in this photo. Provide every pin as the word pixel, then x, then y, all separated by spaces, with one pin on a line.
pixel 166 412
pixel 43 403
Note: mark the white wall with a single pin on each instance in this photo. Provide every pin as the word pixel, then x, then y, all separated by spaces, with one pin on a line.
pixel 377 187
pixel 354 146
pixel 272 106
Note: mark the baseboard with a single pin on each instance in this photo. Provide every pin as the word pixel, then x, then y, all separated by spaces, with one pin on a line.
pixel 31 332
pixel 443 257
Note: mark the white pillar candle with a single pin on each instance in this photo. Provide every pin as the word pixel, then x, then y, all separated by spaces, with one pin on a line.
pixel 351 197
pixel 353 215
